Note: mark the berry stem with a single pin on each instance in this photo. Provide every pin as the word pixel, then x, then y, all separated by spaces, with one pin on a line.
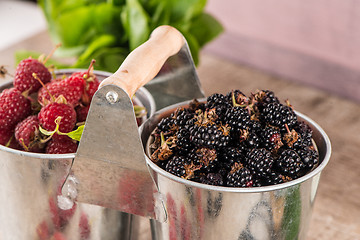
pixel 90 67
pixel 42 84
pixel 51 53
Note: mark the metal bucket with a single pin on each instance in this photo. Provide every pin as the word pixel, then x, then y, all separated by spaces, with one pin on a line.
pixel 199 211
pixel 30 194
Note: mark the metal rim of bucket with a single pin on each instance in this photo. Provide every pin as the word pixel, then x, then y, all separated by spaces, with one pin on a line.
pixel 307 176
pixel 60 72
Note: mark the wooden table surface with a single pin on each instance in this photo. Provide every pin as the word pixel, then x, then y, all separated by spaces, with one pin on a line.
pixel 336 212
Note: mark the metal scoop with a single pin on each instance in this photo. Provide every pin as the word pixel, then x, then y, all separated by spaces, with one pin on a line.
pixel 110 168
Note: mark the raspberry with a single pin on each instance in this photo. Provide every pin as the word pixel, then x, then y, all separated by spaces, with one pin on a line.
pixel 52 111
pixel 27 134
pixel 91 86
pixel 82 112
pixel 24 80
pixel 5 137
pixel 64 145
pixel 14 107
pixel 71 88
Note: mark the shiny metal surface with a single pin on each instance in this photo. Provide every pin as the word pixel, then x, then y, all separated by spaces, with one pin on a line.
pixel 31 204
pixel 199 211
pixel 109 167
pixel 177 81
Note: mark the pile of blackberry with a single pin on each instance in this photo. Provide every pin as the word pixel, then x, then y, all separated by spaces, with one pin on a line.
pixel 235 141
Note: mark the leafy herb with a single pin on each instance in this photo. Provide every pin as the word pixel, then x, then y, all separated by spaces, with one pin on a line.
pixel 108 30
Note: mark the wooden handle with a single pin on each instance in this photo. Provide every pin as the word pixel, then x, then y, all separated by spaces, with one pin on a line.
pixel 145 62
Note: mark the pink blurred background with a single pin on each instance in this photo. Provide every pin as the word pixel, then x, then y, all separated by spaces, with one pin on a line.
pixel 315 42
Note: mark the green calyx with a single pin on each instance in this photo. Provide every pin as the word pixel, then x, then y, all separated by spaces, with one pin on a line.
pixel 75 134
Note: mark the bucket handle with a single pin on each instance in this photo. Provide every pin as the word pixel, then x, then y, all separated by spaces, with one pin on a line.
pixel 109 168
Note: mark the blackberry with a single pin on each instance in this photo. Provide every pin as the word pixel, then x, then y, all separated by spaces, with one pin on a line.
pixel 260 161
pixel 279 115
pixel 289 163
pixel 183 142
pixel 305 132
pixel 182 117
pixel 252 141
pixel 204 157
pixel 181 167
pixel 294 140
pixel 275 178
pixel 236 97
pixel 213 179
pixel 209 135
pixel 239 176
pixel 166 125
pixel 228 156
pixel 218 102
pixel 237 118
pixel 267 96
pixel 255 126
pixel 309 157
pixel 271 139
pixel 195 105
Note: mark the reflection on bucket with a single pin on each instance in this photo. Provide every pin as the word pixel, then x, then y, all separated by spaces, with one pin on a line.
pixel 33 206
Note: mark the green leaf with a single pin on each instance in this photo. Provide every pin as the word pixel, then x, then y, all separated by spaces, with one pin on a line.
pixel 185 10
pixel 107 59
pixel 75 27
pixel 76 134
pixel 137 24
pixel 205 28
pixel 23 54
pixel 100 42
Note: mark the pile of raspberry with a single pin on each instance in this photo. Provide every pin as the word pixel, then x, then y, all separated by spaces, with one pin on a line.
pixel 39 111
pixel 235 141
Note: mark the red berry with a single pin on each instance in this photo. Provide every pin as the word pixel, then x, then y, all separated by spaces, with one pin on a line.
pixel 91 86
pixel 5 136
pixel 14 107
pixel 71 88
pixel 27 133
pixel 82 112
pixel 24 80
pixel 64 145
pixel 50 112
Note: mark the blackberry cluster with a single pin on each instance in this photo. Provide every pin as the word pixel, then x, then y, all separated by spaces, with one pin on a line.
pixel 235 141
